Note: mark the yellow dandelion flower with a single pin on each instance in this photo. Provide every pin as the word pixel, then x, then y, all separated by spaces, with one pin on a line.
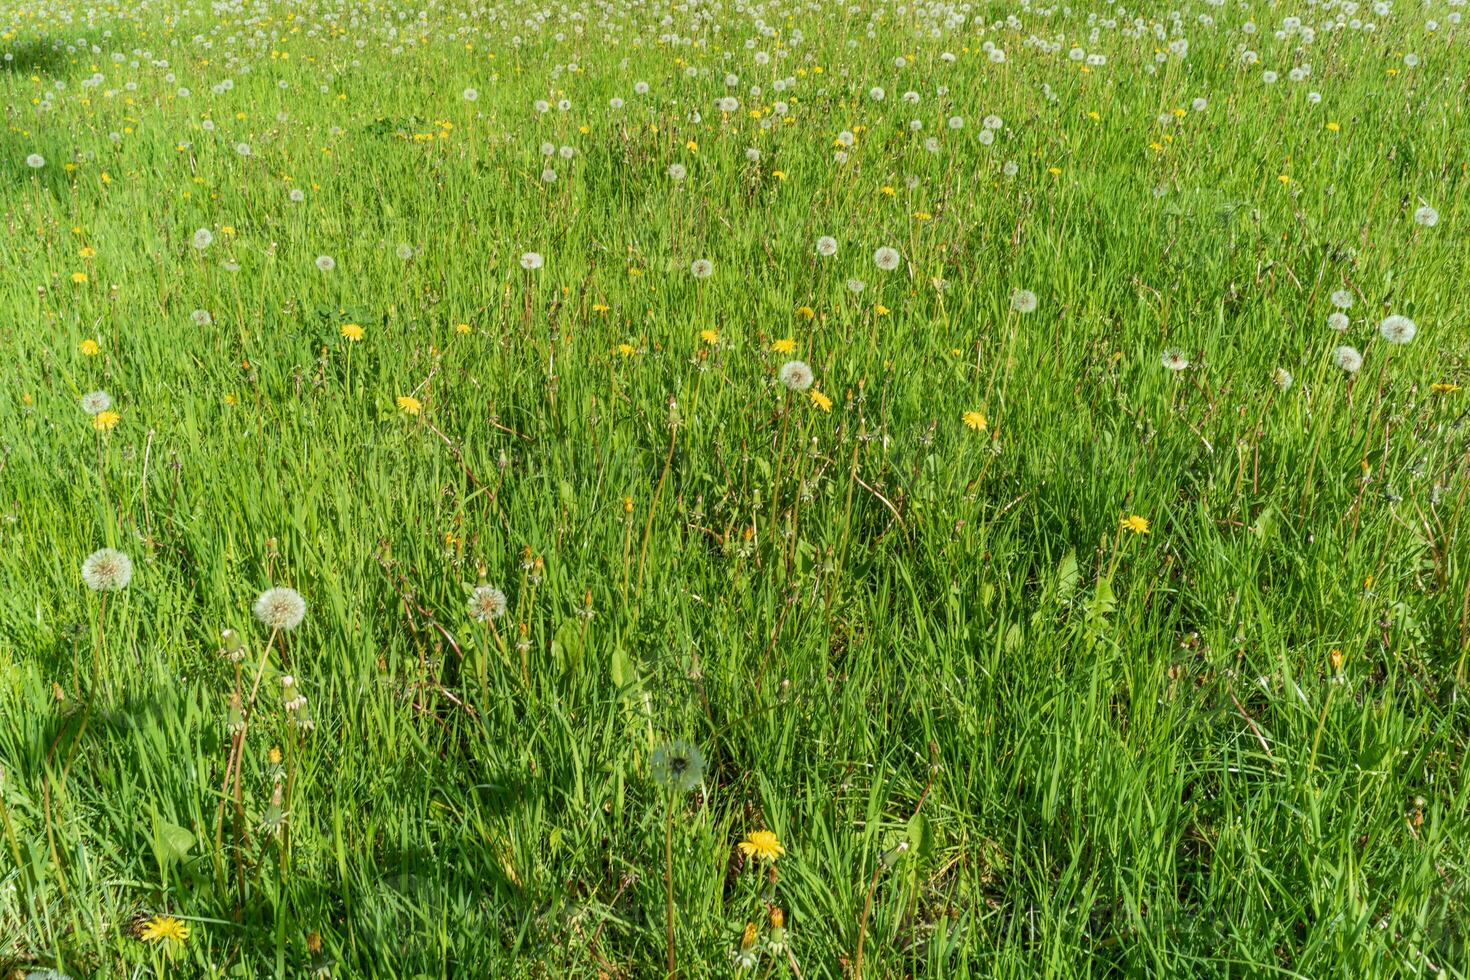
pixel 761 845
pixel 230 399
pixel 881 310
pixel 78 277
pixel 164 927
pixel 352 332
pixel 86 251
pixel 710 336
pixel 410 405
pixel 821 401
pixel 805 312
pixel 461 328
pixel 1333 127
pixel 1444 387
pixel 785 345
pixel 975 420
pixel 779 174
pixel 887 191
pixel 627 350
pixel 106 421
pixel 1135 523
pixel 90 347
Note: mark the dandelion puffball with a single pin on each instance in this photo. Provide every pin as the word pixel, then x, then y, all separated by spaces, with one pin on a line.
pixel 1347 359
pixel 107 570
pixel 280 608
pixel 796 375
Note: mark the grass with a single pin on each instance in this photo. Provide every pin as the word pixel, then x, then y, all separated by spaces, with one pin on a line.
pixel 997 729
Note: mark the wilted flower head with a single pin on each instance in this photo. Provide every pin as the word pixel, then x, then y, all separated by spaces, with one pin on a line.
pixel 96 401
pixel 280 608
pixel 796 375
pixel 677 766
pixel 107 570
pixel 1397 329
pixel 486 603
pixel 1347 359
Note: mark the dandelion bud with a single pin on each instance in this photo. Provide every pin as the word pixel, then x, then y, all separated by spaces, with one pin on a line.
pixel 1336 658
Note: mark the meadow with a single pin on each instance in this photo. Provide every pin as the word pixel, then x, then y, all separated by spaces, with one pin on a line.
pixel 774 489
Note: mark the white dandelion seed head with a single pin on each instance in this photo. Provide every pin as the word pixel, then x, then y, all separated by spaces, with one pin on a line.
pixel 326 263
pixel 1174 359
pixel 296 195
pixel 531 261
pixel 701 268
pixel 1338 321
pixel 201 318
pixel 1426 216
pixel 1023 300
pixel 35 161
pixel 1347 359
pixel 94 402
pixel 1397 329
pixel 886 258
pixel 856 286
pixel 796 375
pixel 487 603
pixel 677 171
pixel 1282 378
pixel 826 246
pixel 107 570
pixel 280 608
pixel 1342 299
pixel 203 238
pixel 470 94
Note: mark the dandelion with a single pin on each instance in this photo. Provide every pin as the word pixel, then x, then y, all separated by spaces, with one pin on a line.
pixel 826 246
pixel 886 258
pixel 1174 359
pixel 784 345
pixel 203 238
pixel 409 405
pixel 164 928
pixel 35 161
pixel 487 603
pixel 1135 524
pixel 748 956
pixel 761 845
pixel 326 263
pixel 821 401
pixel 1338 321
pixel 89 348
pixel 106 421
pixel 1426 216
pixel 677 766
pixel 531 261
pixel 1282 379
pixel 1347 359
pixel 280 608
pixel 1023 300
pixel 352 332
pixel 96 402
pixel 677 171
pixel 701 268
pixel 201 318
pixel 1342 299
pixel 470 95
pixel 1397 329
pixel 975 420
pixel 776 942
pixel 796 375
pixel 107 570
